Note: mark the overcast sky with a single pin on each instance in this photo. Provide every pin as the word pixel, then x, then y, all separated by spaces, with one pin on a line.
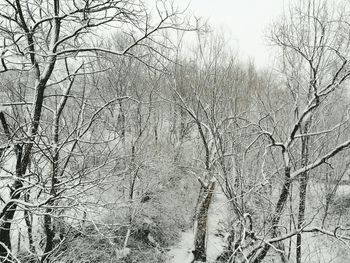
pixel 245 22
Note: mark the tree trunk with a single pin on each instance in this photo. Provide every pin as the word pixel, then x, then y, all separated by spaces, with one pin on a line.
pixel 6 219
pixel 29 223
pixel 302 189
pixel 8 212
pixel 261 254
pixel 199 251
pixel 121 121
pixel 49 235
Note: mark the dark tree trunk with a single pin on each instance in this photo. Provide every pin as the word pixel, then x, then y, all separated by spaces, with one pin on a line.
pixel 49 235
pixel 6 217
pixel 8 212
pixel 48 219
pixel 261 254
pixel 121 121
pixel 302 190
pixel 199 251
pixel 29 223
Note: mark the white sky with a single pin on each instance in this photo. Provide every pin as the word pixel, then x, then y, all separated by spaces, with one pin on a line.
pixel 245 23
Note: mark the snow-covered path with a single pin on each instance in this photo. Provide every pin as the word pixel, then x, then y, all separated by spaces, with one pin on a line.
pixel 181 253
pixel 218 213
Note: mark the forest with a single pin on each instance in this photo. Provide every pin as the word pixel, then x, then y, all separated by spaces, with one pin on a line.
pixel 131 131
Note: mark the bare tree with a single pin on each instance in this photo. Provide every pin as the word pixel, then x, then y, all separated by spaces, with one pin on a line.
pixel 212 93
pixel 316 66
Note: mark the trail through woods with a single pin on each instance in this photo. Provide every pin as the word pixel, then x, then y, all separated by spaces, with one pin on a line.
pixel 182 252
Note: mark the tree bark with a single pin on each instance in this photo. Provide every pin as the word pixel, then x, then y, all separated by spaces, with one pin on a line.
pixel 8 212
pixel 261 254
pixel 199 251
pixel 29 223
pixel 5 227
pixel 302 189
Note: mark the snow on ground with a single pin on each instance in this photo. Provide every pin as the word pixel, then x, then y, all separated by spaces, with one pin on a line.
pixel 182 252
pixel 218 213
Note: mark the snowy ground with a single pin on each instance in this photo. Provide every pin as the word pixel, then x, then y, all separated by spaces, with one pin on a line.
pixel 182 252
